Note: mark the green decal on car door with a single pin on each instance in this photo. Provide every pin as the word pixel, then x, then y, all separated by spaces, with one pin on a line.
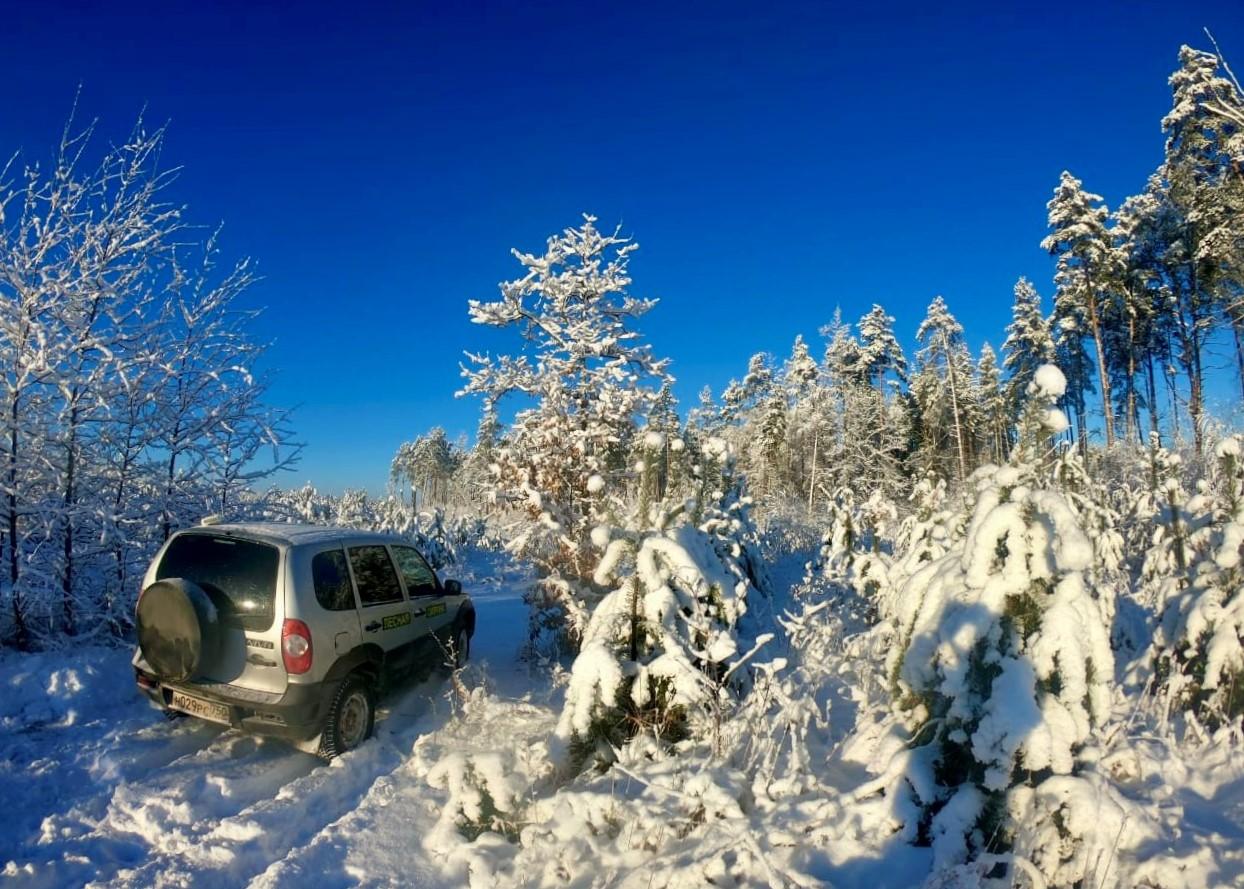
pixel 393 621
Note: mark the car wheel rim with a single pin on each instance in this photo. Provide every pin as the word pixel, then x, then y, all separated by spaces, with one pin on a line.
pixel 353 721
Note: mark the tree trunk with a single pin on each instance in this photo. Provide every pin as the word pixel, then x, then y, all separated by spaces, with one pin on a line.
pixel 1236 324
pixel 1107 406
pixel 168 491
pixel 1151 384
pixel 1172 395
pixel 68 506
pixel 960 444
pixel 19 626
pixel 1133 414
pixel 816 440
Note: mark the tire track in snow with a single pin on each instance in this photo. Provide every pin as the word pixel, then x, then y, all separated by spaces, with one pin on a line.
pixel 227 848
pixel 137 801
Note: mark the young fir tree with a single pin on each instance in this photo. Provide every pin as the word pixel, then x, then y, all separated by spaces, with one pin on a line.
pixel 1003 667
pixel 993 426
pixel 1199 646
pixel 661 650
pixel 1078 237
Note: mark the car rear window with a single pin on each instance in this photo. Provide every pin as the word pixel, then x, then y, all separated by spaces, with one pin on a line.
pixel 332 581
pixel 239 575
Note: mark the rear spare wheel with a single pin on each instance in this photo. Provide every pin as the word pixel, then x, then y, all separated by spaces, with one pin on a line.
pixel 178 628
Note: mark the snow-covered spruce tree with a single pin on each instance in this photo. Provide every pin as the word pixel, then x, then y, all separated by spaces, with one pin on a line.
pixel 993 421
pixel 1028 345
pixel 660 652
pixel 853 564
pixel 1199 645
pixel 589 377
pixel 1003 670
pixel 863 420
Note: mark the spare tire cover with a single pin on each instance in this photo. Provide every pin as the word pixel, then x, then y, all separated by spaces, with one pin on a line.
pixel 178 628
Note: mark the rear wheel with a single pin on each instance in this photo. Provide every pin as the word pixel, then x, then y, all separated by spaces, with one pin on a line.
pixel 350 718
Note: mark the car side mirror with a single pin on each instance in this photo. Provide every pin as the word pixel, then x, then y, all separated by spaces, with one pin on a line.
pixel 453 587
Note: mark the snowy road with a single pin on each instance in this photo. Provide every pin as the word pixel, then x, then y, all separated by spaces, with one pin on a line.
pixel 97 788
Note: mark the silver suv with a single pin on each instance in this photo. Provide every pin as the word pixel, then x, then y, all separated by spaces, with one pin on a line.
pixel 293 630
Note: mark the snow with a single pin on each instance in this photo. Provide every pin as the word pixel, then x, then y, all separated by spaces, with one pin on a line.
pixel 1055 420
pixel 1049 381
pixel 812 782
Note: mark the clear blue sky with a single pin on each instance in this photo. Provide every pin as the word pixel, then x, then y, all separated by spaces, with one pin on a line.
pixel 774 160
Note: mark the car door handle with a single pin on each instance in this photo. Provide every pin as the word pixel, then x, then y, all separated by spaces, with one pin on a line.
pixel 418 612
pixel 373 626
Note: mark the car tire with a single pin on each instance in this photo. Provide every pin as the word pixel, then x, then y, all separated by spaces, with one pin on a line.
pixel 351 718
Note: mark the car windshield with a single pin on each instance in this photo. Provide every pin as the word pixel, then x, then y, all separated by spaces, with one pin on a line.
pixel 239 575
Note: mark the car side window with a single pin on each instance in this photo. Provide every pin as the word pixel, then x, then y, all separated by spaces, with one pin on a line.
pixel 420 580
pixel 332 581
pixel 374 574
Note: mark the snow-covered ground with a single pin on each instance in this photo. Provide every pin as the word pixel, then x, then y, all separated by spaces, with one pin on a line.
pixel 98 788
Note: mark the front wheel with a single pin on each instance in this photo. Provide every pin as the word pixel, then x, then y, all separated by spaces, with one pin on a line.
pixel 350 718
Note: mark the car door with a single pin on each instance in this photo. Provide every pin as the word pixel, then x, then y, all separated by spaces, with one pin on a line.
pixel 383 609
pixel 428 603
pixel 334 592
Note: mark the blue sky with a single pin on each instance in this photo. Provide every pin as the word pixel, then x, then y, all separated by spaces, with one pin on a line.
pixel 773 160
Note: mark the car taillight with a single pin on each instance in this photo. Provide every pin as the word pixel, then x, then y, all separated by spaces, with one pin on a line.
pixel 296 646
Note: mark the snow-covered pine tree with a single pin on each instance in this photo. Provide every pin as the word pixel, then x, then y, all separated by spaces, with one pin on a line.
pixel 589 376
pixel 881 356
pixel 1083 281
pixel 1028 345
pixel 1003 668
pixel 801 385
pixel 769 451
pixel 942 388
pixel 1203 186
pixel 424 467
pixel 1137 259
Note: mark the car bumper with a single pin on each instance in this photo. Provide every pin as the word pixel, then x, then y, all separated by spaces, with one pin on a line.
pixel 296 715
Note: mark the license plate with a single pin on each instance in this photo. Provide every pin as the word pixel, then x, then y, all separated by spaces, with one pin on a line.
pixel 200 708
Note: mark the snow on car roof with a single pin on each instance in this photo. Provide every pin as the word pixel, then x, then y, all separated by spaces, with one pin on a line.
pixel 295 534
